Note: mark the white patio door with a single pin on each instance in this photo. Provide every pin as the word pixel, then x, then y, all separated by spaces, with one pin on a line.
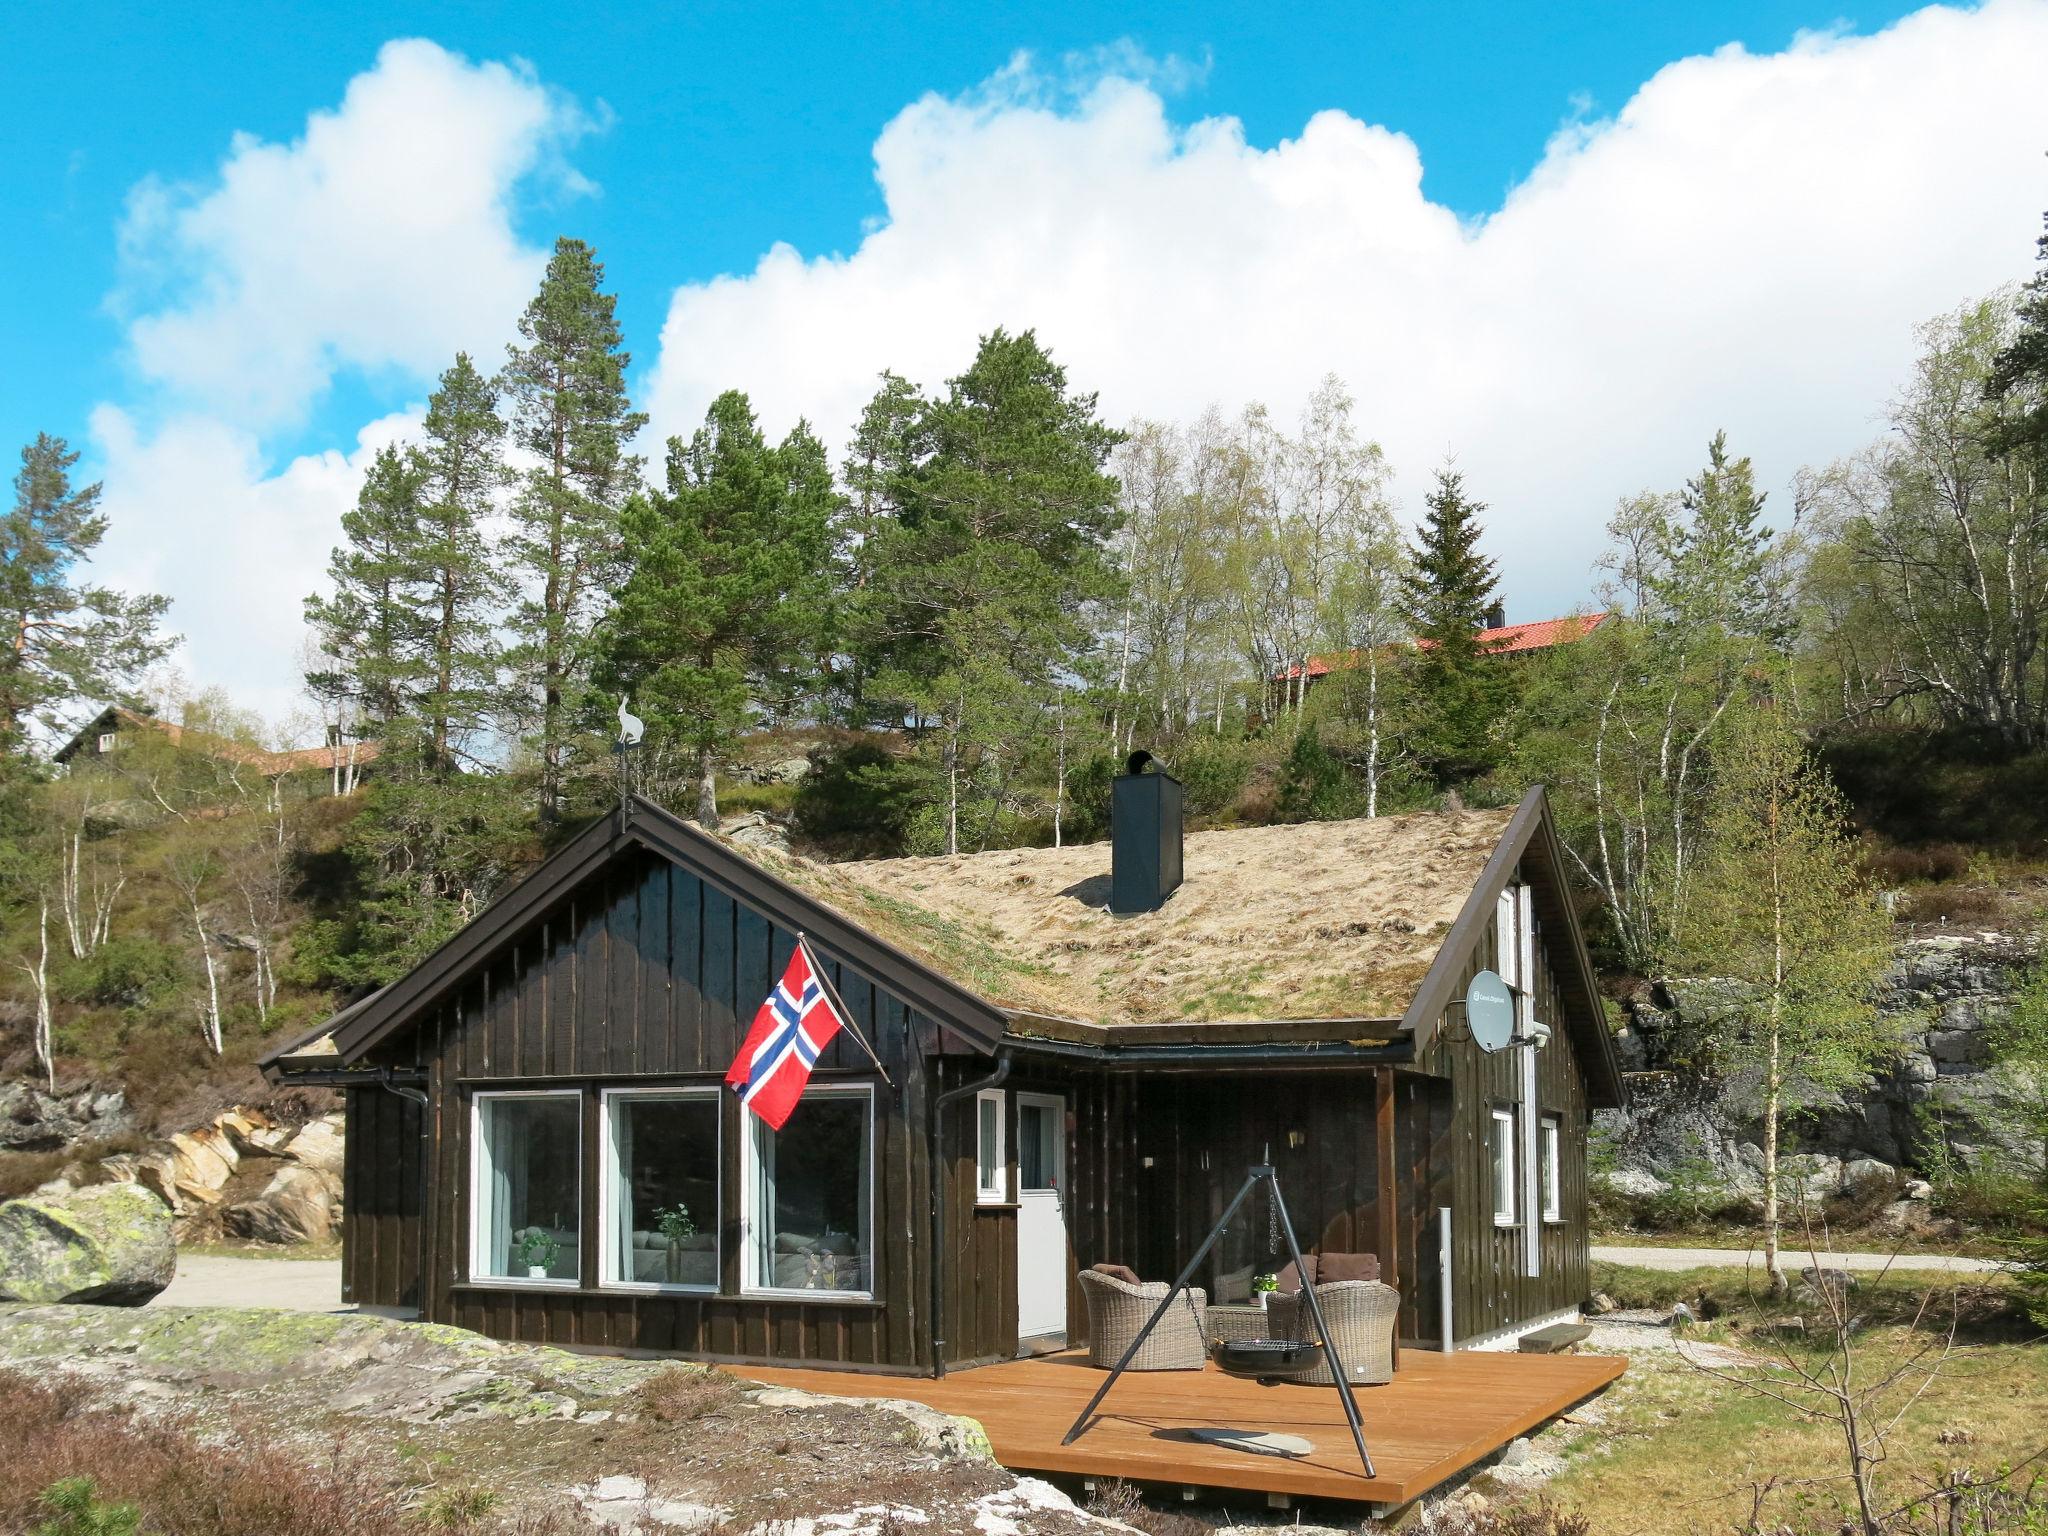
pixel 1041 1217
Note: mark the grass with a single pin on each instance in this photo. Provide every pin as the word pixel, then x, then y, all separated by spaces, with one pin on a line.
pixel 233 1248
pixel 1679 1451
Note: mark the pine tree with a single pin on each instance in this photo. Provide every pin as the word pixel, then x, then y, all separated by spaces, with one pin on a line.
pixel 565 386
pixel 727 588
pixel 1459 688
pixel 463 469
pixel 982 574
pixel 370 626
pixel 68 642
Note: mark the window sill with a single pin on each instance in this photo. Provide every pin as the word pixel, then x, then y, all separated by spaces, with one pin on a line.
pixel 851 1299
pixel 995 1205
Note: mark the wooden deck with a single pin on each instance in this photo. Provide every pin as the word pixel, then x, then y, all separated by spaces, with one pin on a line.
pixel 1439 1415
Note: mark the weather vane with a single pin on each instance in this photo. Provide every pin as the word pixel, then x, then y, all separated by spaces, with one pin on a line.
pixel 631 729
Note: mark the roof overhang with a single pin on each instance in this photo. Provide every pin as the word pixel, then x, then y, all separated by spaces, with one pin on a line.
pixel 1530 836
pixel 639 823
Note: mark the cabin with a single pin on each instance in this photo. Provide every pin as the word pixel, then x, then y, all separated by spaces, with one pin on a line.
pixel 117 728
pixel 1080 1052
pixel 1497 637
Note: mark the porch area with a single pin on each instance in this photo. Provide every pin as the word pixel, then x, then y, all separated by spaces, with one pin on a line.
pixel 1440 1415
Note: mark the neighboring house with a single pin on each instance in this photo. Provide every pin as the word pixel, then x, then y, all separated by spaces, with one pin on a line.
pixel 1499 638
pixel 540 1147
pixel 114 728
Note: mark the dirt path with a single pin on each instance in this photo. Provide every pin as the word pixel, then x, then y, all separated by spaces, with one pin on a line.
pixel 285 1285
pixel 1743 1258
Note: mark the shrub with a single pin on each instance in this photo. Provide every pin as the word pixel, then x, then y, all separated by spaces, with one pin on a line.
pixel 75 1510
pixel 856 803
pixel 1314 785
pixel 128 971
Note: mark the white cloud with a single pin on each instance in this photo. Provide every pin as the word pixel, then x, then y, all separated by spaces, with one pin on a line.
pixel 195 512
pixel 380 239
pixel 1747 244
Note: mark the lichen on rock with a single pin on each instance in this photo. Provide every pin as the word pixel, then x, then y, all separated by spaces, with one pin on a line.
pixel 110 1243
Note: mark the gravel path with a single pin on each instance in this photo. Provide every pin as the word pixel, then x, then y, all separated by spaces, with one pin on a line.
pixel 289 1285
pixel 1743 1258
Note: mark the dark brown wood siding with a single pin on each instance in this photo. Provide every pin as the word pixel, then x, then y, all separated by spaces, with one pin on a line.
pixel 1490 1290
pixel 647 975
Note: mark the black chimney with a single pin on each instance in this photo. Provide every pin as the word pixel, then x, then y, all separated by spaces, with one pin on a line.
pixel 1144 836
pixel 1497 615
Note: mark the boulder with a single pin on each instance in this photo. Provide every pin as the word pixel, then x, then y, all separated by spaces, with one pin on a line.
pixel 320 1145
pixel 791 770
pixel 109 1244
pixel 205 1158
pixel 300 1204
pixel 1859 1172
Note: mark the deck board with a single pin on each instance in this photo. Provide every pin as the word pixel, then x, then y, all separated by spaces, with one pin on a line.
pixel 1439 1415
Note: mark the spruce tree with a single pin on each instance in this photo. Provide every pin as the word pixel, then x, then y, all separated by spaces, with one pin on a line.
pixel 68 642
pixel 564 384
pixel 2020 374
pixel 1460 689
pixel 727 586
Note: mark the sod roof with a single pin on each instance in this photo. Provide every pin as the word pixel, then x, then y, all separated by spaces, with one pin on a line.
pixel 1320 920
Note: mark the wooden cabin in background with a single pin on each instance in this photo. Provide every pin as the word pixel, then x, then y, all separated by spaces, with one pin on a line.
pixel 539 1146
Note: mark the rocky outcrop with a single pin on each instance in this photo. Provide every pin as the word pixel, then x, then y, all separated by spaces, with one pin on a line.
pixel 300 1204
pixel 34 1121
pixel 1937 1101
pixel 109 1244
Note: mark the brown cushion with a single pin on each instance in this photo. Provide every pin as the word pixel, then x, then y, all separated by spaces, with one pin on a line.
pixel 1290 1281
pixel 1118 1272
pixel 1332 1267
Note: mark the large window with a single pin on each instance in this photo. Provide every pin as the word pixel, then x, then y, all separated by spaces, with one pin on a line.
pixel 661 1188
pixel 1504 1167
pixel 1553 1195
pixel 810 1196
pixel 526 1178
pixel 991 1164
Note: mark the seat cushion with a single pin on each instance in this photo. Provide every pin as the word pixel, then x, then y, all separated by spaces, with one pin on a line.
pixel 1121 1272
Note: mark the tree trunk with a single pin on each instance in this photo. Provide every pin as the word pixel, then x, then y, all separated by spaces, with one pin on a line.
pixel 39 975
pixel 707 793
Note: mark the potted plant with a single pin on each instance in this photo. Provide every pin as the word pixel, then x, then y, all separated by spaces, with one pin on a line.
pixel 537 1251
pixel 1265 1287
pixel 675 1224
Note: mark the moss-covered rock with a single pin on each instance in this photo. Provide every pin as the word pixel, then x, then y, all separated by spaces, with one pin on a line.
pixel 110 1243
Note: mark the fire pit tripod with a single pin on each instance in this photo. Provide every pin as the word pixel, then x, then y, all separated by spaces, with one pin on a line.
pixel 1262 1173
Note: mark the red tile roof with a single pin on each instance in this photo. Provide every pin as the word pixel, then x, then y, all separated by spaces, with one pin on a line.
pixel 1508 640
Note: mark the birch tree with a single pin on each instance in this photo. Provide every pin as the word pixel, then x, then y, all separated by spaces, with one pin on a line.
pixel 192 866
pixel 1780 911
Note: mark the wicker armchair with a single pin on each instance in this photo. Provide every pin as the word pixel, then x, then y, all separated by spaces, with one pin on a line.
pixel 1361 1316
pixel 1118 1309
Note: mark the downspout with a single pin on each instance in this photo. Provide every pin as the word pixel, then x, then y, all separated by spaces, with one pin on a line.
pixel 936 1140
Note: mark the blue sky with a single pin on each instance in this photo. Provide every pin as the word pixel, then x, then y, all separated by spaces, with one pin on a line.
pixel 1564 243
pixel 731 127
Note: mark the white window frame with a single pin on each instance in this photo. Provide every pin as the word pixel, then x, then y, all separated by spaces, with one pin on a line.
pixel 998 1191
pixel 109 740
pixel 608 1186
pixel 1552 1147
pixel 1501 1131
pixel 750 1180
pixel 477 1173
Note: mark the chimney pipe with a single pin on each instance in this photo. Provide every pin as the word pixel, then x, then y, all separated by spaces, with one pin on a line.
pixel 1144 836
pixel 1497 615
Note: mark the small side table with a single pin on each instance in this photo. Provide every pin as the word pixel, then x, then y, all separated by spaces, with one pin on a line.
pixel 1236 1322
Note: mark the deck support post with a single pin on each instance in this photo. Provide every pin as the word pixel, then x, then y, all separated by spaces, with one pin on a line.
pixel 1265 1174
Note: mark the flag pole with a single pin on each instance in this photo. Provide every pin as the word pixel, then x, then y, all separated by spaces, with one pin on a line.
pixel 839 1003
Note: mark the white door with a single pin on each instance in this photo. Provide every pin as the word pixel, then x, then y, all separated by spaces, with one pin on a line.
pixel 1041 1218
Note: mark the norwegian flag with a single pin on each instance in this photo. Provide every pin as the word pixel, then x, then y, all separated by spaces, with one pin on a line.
pixel 790 1033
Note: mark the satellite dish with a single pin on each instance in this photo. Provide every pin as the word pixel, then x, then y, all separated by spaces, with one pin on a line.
pixel 1490 1012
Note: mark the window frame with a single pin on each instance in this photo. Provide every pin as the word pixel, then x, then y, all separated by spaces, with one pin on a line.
pixel 750 1179
pixel 477 1171
pixel 1550 1178
pixel 1502 1131
pixel 607 1183
pixel 997 1193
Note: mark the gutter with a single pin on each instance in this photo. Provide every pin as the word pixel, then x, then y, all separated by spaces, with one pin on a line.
pixel 936 1140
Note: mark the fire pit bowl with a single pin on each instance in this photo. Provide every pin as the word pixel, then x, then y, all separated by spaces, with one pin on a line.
pixel 1266 1357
